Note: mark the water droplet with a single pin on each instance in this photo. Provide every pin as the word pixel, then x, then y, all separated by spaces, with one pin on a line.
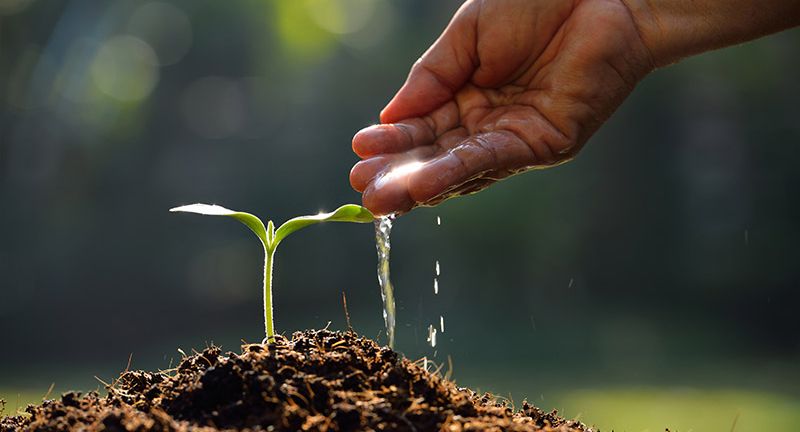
pixel 438 221
pixel 441 323
pixel 435 286
pixel 437 268
pixel 571 282
pixel 432 336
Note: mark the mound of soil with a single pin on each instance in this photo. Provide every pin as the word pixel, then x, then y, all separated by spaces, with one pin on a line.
pixel 315 381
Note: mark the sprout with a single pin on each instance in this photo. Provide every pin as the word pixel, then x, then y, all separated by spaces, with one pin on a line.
pixel 270 238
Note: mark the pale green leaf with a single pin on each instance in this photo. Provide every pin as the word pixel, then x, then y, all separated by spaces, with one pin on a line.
pixel 346 213
pixel 251 221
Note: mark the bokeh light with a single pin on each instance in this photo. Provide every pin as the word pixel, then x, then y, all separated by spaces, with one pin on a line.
pixel 341 16
pixel 125 68
pixel 599 286
pixel 381 23
pixel 302 38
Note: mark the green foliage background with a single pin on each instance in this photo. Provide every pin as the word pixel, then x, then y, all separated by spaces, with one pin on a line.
pixel 651 283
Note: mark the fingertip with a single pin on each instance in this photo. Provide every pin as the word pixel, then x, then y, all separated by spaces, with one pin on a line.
pixel 420 95
pixel 365 171
pixel 355 179
pixel 360 143
pixel 379 139
pixel 387 113
pixel 392 138
pixel 387 197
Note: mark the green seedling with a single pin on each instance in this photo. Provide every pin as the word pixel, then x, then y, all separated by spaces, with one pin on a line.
pixel 270 237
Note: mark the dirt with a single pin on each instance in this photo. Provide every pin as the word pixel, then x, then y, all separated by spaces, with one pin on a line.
pixel 315 381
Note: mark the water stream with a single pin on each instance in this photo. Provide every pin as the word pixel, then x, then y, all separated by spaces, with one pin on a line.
pixel 383 229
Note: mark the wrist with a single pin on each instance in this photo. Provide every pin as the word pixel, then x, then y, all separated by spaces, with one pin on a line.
pixel 675 29
pixel 649 27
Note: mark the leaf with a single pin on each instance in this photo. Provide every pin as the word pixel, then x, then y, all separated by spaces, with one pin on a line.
pixel 346 213
pixel 251 221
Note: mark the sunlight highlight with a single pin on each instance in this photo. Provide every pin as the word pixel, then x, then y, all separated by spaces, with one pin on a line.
pixel 400 171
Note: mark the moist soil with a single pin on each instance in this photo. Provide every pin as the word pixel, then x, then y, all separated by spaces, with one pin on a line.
pixel 315 381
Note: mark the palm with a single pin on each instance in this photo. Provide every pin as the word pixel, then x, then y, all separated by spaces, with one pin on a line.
pixel 544 80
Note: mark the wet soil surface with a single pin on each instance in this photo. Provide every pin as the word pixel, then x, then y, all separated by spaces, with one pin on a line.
pixel 315 381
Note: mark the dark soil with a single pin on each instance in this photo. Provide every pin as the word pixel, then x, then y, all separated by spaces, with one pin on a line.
pixel 315 381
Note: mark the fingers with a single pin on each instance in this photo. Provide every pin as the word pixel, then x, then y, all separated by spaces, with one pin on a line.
pixel 371 169
pixel 392 138
pixel 406 135
pixel 391 197
pixel 400 184
pixel 444 68
pixel 365 171
pixel 488 156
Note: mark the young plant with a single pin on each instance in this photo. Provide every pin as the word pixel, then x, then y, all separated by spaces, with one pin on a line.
pixel 270 237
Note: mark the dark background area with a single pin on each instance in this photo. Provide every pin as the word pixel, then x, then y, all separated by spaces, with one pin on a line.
pixel 665 256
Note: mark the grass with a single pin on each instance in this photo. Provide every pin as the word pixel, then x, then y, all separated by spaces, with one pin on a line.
pixel 17 400
pixel 681 409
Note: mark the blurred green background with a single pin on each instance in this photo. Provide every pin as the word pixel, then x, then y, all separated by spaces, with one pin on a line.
pixel 652 283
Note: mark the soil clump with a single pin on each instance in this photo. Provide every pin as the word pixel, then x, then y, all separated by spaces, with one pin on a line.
pixel 317 380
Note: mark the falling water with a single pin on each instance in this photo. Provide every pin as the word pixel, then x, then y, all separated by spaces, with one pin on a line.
pixel 383 228
pixel 432 336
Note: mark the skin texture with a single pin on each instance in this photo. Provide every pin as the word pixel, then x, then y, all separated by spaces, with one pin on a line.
pixel 515 85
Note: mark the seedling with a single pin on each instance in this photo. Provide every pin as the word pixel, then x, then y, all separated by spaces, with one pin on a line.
pixel 270 238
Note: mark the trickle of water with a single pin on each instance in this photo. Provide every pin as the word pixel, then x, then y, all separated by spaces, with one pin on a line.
pixel 432 336
pixel 383 229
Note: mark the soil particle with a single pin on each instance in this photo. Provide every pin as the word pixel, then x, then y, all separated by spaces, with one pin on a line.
pixel 315 381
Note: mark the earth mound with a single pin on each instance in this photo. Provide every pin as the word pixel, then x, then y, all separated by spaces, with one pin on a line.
pixel 316 381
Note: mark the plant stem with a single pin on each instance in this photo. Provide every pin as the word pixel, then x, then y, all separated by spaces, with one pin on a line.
pixel 269 255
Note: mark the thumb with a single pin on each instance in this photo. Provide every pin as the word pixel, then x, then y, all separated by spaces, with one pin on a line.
pixel 444 68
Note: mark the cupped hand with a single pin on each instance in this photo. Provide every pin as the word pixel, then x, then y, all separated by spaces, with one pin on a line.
pixel 511 85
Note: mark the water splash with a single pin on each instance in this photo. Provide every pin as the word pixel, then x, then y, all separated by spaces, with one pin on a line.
pixel 383 229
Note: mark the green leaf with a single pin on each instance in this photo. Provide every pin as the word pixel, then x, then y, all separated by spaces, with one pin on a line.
pixel 346 213
pixel 251 221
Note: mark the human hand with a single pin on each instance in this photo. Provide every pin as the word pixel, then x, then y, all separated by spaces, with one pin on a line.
pixel 511 85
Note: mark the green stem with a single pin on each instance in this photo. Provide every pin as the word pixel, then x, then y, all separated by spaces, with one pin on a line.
pixel 269 255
